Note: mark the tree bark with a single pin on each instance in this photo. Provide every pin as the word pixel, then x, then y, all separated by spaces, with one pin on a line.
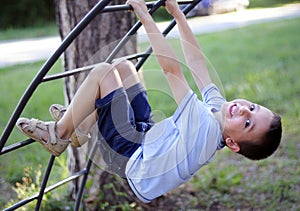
pixel 92 46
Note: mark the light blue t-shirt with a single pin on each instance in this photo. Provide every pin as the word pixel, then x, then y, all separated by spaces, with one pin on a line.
pixel 175 148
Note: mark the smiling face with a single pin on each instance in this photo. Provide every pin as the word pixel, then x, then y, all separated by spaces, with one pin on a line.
pixel 244 120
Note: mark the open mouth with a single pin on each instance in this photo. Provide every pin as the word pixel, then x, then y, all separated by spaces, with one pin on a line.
pixel 232 109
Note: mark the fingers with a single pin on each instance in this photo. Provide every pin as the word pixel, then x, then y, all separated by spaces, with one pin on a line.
pixel 140 8
pixel 172 7
pixel 129 3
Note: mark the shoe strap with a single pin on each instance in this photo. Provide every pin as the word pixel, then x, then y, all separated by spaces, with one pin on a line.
pixel 49 127
pixel 52 132
pixel 32 124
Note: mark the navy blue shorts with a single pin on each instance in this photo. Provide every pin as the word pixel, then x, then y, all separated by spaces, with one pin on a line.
pixel 124 116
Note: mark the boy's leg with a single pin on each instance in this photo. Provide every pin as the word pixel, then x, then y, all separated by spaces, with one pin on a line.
pixel 101 81
pixel 88 123
pixel 129 78
pixel 54 136
pixel 136 95
pixel 116 115
pixel 128 73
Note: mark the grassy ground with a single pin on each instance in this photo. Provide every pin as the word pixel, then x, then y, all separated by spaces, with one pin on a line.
pixel 252 63
pixel 41 31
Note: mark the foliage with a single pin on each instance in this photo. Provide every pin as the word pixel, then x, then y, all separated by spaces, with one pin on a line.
pixel 21 13
pixel 30 186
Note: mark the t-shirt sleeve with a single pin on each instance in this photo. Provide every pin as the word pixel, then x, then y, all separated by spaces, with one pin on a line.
pixel 212 97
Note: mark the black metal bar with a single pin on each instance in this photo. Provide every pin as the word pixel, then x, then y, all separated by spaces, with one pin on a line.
pixel 68 179
pixel 117 8
pixel 68 73
pixel 188 8
pixel 134 56
pixel 84 179
pixel 86 68
pixel 46 67
pixel 44 183
pixel 16 146
pixel 21 203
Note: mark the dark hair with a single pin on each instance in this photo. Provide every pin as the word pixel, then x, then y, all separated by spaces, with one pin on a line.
pixel 267 145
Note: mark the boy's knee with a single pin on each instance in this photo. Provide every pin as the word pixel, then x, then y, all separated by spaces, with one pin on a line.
pixel 103 67
pixel 124 65
pixel 101 70
pixel 126 69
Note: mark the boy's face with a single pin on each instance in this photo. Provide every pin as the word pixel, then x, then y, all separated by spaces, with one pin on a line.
pixel 244 120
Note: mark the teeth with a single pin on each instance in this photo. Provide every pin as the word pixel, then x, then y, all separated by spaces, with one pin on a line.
pixel 233 109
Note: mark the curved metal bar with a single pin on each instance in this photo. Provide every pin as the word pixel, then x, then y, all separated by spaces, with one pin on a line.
pixel 116 8
pixel 46 67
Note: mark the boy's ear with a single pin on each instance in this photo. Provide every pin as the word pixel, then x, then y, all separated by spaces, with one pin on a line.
pixel 232 145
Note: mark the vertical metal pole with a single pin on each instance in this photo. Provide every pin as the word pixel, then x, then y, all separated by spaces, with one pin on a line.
pixel 44 183
pixel 84 179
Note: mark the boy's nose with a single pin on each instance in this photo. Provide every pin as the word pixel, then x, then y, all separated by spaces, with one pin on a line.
pixel 244 110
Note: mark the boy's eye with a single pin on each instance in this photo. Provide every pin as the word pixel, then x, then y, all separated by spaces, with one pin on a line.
pixel 248 122
pixel 252 107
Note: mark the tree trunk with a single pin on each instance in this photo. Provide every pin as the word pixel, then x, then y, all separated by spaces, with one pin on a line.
pixel 92 46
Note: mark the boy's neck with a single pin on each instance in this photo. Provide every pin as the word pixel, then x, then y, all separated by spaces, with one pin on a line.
pixel 219 117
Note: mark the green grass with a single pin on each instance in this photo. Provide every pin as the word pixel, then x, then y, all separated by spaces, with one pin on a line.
pixel 259 62
pixel 270 3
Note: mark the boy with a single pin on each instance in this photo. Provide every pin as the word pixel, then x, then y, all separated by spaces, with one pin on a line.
pixel 158 158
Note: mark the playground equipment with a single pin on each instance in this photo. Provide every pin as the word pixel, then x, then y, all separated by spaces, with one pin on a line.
pixel 100 7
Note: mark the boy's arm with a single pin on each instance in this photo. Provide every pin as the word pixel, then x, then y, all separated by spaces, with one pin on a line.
pixel 163 52
pixel 191 49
